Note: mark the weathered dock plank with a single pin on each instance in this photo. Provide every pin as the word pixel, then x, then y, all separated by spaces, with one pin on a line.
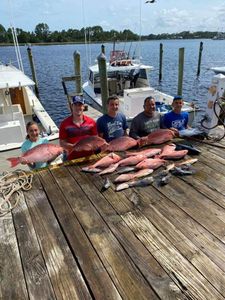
pixel 185 247
pixel 125 276
pixel 95 274
pixel 12 282
pixel 36 273
pixel 65 275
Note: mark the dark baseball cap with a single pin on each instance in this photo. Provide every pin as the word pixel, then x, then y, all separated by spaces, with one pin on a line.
pixel 77 99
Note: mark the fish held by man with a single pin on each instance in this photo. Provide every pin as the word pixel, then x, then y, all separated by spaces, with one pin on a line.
pixel 39 153
pixel 91 143
pixel 122 143
pixel 158 136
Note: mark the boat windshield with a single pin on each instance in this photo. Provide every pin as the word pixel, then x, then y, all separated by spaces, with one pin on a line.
pixel 123 74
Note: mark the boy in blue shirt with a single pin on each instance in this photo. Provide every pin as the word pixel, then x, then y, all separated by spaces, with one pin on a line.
pixel 176 120
pixel 113 124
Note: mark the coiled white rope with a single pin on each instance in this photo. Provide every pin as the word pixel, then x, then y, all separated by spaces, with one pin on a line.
pixel 11 186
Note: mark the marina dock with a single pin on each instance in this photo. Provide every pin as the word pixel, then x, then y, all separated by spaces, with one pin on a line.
pixel 68 240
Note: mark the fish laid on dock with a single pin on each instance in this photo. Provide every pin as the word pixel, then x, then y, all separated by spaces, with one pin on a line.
pixel 139 174
pixel 190 161
pixel 131 160
pixel 191 150
pixel 169 152
pixel 106 161
pixel 91 170
pixel 183 171
pixel 147 152
pixel 110 169
pixel 39 153
pixel 151 163
pixel 124 170
pixel 106 185
pixel 137 183
pixel 165 179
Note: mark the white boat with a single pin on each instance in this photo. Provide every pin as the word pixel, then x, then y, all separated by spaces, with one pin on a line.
pixel 127 78
pixel 218 70
pixel 18 105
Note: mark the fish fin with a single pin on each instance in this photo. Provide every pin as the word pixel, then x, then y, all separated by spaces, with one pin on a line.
pixel 104 148
pixel 14 161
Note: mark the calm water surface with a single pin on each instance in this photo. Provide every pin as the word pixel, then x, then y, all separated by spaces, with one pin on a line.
pixel 54 62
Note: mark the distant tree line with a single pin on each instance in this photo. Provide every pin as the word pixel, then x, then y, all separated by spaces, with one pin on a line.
pixel 42 34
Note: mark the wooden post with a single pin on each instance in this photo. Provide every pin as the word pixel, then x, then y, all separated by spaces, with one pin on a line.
pixel 103 49
pixel 103 80
pixel 200 58
pixel 33 71
pixel 160 61
pixel 180 71
pixel 77 69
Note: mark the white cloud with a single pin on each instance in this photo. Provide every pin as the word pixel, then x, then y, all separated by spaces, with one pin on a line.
pixel 173 19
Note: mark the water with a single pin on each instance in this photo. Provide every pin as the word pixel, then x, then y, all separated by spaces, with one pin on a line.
pixel 56 61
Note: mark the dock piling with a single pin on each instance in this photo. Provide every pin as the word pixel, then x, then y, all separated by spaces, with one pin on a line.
pixel 77 70
pixel 33 71
pixel 103 81
pixel 200 58
pixel 180 71
pixel 160 60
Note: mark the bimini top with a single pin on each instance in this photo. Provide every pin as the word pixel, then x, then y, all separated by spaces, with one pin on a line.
pixel 11 77
pixel 123 68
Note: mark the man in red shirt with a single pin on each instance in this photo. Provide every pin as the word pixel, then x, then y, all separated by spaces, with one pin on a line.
pixel 76 127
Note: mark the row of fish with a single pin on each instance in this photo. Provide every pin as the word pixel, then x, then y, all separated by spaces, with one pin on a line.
pixel 141 160
pixel 141 164
pixel 181 169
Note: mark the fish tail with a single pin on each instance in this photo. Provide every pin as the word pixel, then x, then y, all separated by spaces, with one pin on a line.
pixel 14 161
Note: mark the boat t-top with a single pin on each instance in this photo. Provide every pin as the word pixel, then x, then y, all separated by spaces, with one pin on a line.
pixel 127 78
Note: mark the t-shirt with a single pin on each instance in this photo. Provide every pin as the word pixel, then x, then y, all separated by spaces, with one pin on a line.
pixel 72 133
pixel 112 127
pixel 142 125
pixel 178 121
pixel 27 145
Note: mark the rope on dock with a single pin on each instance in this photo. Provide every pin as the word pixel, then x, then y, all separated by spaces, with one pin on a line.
pixel 11 186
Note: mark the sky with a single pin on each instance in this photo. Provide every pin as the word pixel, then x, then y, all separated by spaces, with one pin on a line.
pixel 163 16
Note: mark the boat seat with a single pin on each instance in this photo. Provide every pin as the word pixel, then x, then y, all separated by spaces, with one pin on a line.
pixel 97 90
pixel 112 86
pixel 11 132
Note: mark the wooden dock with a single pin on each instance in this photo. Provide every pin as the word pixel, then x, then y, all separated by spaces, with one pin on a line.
pixel 68 240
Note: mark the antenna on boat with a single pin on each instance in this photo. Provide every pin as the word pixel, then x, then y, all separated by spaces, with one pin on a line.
pixel 140 11
pixel 85 33
pixel 15 40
